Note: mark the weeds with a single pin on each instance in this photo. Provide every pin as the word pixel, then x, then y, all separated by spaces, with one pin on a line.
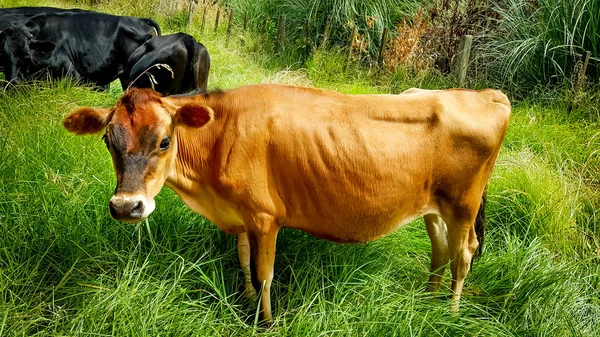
pixel 540 42
pixel 405 49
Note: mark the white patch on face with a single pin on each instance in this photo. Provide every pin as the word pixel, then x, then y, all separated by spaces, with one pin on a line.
pixel 149 206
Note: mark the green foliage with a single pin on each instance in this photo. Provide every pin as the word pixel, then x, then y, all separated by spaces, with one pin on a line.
pixel 177 22
pixel 547 187
pixel 343 15
pixel 539 42
pixel 532 44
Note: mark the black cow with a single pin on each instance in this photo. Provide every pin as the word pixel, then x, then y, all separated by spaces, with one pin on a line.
pixel 83 45
pixel 188 59
pixel 13 17
pixel 19 15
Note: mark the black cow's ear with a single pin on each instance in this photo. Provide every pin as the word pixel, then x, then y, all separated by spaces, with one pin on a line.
pixel 43 46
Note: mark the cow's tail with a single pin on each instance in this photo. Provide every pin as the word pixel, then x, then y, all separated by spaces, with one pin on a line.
pixel 152 24
pixel 480 223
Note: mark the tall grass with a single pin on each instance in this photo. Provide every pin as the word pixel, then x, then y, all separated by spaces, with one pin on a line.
pixel 67 268
pixel 526 44
pixel 540 42
pixel 371 16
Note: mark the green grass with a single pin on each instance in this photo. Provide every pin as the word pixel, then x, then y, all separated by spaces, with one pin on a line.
pixel 313 14
pixel 68 269
pixel 539 42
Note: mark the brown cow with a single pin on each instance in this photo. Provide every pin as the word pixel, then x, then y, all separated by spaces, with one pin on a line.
pixel 347 168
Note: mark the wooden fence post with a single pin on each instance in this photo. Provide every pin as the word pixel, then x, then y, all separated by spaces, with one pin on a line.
pixel 245 21
pixel 264 25
pixel 217 19
pixel 580 75
pixel 326 33
pixel 578 79
pixel 191 14
pixel 203 20
pixel 462 59
pixel 280 34
pixel 352 38
pixel 382 48
pixel 305 32
pixel 229 26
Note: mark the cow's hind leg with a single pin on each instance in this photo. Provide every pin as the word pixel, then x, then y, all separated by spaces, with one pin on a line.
pixel 243 247
pixel 436 228
pixel 462 243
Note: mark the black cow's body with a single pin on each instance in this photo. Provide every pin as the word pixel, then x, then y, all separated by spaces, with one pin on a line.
pixel 18 16
pixel 187 58
pixel 90 46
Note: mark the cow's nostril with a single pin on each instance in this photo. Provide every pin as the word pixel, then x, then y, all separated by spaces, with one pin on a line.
pixel 113 209
pixel 138 210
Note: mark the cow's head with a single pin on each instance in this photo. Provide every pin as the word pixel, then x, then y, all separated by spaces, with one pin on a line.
pixel 14 52
pixel 142 140
pixel 18 52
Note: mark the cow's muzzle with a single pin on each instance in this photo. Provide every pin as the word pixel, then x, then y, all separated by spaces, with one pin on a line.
pixel 130 208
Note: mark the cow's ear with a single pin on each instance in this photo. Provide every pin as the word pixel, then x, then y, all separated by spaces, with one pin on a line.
pixel 86 120
pixel 194 115
pixel 43 46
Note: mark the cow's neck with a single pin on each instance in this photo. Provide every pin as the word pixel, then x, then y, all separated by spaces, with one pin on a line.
pixel 197 149
pixel 201 157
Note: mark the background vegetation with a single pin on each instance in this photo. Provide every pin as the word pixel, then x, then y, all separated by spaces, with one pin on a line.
pixel 540 42
pixel 519 45
pixel 68 269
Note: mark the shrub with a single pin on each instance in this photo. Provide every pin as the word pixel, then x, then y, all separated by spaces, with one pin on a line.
pixel 371 16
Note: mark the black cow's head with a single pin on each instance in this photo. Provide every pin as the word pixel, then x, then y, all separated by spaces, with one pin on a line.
pixel 18 51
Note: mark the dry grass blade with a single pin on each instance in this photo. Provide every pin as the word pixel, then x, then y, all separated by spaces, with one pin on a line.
pixel 153 80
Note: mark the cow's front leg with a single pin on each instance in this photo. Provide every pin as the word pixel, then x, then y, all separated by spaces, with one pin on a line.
pixel 243 247
pixel 262 235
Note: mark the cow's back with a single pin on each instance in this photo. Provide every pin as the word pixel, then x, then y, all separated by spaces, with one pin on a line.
pixel 27 10
pixel 17 16
pixel 97 45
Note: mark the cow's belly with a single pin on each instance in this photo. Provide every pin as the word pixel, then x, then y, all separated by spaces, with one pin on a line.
pixel 356 205
pixel 355 225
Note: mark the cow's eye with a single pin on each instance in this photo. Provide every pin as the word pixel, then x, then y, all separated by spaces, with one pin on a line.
pixel 165 143
pixel 105 139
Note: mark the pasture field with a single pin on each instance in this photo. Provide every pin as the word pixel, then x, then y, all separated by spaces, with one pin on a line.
pixel 68 269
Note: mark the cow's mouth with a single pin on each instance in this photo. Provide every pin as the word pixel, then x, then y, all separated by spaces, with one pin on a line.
pixel 130 209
